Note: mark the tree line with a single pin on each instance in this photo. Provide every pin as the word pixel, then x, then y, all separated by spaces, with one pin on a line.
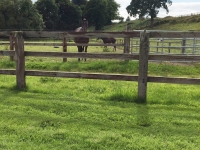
pixel 56 14
pixel 67 14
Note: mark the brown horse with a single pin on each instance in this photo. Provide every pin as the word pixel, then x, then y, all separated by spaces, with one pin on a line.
pixel 109 40
pixel 82 40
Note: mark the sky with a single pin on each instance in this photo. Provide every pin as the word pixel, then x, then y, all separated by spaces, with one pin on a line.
pixel 178 8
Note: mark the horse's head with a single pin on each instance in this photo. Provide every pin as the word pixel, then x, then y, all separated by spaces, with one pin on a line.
pixel 84 24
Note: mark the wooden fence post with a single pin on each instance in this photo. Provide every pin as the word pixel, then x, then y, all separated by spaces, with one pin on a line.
pixel 157 47
pixel 127 40
pixel 169 50
pixel 11 38
pixel 20 60
pixel 183 44
pixel 143 66
pixel 64 48
pixel 136 46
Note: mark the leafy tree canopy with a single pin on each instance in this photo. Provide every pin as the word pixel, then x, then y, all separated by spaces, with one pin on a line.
pixel 79 2
pixel 101 12
pixel 49 10
pixel 59 14
pixel 95 12
pixel 19 14
pixel 147 8
pixel 69 16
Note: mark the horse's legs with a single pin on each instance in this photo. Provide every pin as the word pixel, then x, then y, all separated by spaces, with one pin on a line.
pixel 82 50
pixel 114 48
pixel 85 50
pixel 79 50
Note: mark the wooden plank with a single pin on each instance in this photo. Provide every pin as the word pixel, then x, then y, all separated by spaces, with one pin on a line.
pixel 6 34
pixel 143 66
pixel 20 60
pixel 83 55
pixel 43 44
pixel 174 34
pixel 53 34
pixel 155 79
pixel 82 75
pixel 4 43
pixel 175 57
pixel 94 44
pixel 174 80
pixel 106 56
pixel 7 53
pixel 72 44
pixel 8 71
pixel 174 47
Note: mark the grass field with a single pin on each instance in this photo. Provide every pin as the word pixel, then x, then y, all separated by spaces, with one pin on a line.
pixel 76 114
pixel 58 113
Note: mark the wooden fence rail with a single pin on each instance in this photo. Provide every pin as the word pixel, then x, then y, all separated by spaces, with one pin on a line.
pixel 143 58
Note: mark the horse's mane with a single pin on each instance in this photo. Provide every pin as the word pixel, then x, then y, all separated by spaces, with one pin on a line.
pixel 79 29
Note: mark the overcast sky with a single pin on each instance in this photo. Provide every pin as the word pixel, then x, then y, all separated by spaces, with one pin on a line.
pixel 178 8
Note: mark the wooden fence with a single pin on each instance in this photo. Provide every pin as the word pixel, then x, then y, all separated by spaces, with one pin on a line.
pixel 143 57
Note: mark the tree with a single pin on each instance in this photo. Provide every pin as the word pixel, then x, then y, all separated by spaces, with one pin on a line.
pixel 112 11
pixel 101 12
pixel 28 16
pixel 95 13
pixel 19 14
pixel 147 8
pixel 49 10
pixel 79 2
pixel 69 16
pixel 121 19
pixel 59 14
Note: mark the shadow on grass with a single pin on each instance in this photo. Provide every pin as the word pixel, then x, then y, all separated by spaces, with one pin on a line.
pixel 8 92
pixel 16 89
pixel 125 97
pixel 13 89
pixel 143 117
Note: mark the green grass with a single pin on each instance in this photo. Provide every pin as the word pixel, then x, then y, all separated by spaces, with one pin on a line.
pixel 110 66
pixel 65 113
pixel 59 113
pixel 182 23
pixel 56 113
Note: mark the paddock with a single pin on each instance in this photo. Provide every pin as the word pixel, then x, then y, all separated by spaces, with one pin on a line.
pixel 17 51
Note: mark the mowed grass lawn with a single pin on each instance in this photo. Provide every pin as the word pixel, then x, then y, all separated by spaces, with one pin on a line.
pixel 66 113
